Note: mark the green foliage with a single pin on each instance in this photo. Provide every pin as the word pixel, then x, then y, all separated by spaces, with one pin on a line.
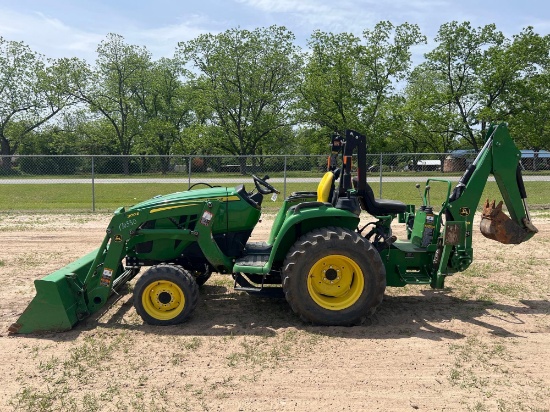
pixel 166 102
pixel 475 75
pixel 246 87
pixel 530 102
pixel 31 93
pixel 244 92
pixel 348 81
pixel 110 89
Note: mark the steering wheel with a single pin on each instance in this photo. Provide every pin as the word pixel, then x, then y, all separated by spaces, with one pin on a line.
pixel 262 186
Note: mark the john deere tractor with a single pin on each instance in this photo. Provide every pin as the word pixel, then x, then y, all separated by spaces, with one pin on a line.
pixel 331 270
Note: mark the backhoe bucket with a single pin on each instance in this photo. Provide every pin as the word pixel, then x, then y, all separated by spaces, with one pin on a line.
pixel 496 225
pixel 59 301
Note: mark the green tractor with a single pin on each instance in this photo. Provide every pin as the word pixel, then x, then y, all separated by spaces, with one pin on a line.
pixel 330 270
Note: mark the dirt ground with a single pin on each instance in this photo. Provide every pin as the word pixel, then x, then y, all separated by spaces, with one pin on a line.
pixel 481 344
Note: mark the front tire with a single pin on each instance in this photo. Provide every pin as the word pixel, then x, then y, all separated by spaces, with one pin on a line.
pixel 333 276
pixel 165 295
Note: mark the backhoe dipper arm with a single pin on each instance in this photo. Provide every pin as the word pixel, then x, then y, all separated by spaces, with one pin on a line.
pixel 499 157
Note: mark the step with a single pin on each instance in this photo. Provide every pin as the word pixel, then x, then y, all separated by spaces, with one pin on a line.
pixel 253 260
pixel 243 285
pixel 415 278
pixel 258 248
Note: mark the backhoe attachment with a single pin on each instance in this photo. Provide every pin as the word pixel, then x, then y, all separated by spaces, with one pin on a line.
pixel 496 225
pixel 501 158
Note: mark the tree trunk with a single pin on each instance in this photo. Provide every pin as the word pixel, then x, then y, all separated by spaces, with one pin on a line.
pixel 5 156
pixel 242 165
pixel 126 165
pixel 442 161
pixel 164 164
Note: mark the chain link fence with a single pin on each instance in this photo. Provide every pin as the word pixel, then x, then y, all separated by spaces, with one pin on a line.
pixel 288 172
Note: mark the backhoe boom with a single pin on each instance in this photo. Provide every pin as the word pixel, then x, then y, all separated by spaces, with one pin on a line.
pixel 499 157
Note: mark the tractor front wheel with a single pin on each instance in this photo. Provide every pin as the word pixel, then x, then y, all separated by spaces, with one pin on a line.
pixel 165 295
pixel 333 276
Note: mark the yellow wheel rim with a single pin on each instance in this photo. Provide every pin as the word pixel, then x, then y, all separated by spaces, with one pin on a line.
pixel 163 300
pixel 335 282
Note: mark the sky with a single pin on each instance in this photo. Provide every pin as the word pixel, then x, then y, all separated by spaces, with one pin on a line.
pixel 74 28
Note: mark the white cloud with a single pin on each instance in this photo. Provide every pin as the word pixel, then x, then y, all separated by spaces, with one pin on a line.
pixel 162 41
pixel 55 38
pixel 77 30
pixel 48 36
pixel 309 15
pixel 350 15
pixel 286 6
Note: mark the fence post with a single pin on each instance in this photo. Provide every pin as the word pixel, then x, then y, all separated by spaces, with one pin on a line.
pixel 284 180
pixel 381 160
pixel 93 185
pixel 189 180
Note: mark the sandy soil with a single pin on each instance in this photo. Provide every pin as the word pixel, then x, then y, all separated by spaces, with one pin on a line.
pixel 483 343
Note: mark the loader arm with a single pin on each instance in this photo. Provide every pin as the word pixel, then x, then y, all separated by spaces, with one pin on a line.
pixel 83 287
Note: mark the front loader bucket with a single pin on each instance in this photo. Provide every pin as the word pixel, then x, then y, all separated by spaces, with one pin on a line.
pixel 59 301
pixel 496 225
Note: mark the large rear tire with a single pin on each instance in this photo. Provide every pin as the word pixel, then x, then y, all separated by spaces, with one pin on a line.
pixel 333 276
pixel 165 295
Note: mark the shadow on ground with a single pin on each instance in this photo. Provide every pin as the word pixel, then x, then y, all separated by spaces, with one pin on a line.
pixel 223 312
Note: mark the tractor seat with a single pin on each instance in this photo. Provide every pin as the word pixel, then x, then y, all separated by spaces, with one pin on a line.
pixel 378 207
pixel 325 188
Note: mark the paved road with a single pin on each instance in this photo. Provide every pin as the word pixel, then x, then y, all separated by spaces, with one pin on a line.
pixel 236 180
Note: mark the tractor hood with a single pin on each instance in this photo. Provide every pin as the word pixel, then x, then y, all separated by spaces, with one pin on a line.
pixel 178 198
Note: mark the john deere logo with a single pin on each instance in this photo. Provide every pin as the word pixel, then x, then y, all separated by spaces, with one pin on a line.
pixel 464 211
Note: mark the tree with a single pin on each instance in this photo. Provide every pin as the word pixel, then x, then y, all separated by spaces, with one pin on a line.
pixel 530 122
pixel 348 80
pixel 429 118
pixel 32 92
pixel 328 93
pixel 480 68
pixel 247 83
pixel 166 103
pixel 55 139
pixel 110 89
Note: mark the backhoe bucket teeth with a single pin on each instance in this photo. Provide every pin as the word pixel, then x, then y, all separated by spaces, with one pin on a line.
pixel 496 225
pixel 59 301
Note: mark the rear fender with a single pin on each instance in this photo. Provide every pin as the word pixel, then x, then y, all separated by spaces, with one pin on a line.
pixel 301 220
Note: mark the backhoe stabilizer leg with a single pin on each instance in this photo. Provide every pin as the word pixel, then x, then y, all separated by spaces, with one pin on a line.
pixel 496 225
pixel 438 281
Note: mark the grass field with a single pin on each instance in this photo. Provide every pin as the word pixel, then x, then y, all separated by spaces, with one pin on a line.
pixel 108 197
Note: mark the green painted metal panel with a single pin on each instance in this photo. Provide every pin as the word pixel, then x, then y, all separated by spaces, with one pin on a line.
pixel 298 224
pixel 55 305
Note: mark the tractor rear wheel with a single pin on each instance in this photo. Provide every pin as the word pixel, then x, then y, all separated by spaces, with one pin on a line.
pixel 333 276
pixel 165 295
